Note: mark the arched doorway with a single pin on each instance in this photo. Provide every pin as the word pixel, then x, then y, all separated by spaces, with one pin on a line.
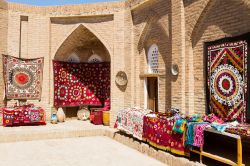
pixel 83 48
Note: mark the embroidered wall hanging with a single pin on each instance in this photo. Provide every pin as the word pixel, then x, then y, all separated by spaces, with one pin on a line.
pixel 23 77
pixel 227 77
pixel 77 84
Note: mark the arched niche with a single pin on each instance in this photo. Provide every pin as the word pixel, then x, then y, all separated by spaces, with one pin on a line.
pixel 80 45
pixel 83 43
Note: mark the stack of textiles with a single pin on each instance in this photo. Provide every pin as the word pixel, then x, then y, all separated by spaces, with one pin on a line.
pixel 158 132
pixel 195 133
pixel 241 129
pixel 212 118
pixel 23 115
pixel 131 121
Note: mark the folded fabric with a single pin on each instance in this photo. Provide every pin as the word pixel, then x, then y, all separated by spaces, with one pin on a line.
pixel 199 134
pixel 219 127
pixel 179 126
pixel 194 118
pixel 190 134
pixel 240 129
pixel 23 115
pixel 212 118
pixel 234 123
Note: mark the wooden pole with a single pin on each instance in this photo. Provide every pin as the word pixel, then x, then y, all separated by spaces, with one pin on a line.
pixel 239 152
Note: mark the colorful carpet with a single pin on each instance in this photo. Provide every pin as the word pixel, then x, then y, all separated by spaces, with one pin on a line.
pixel 77 84
pixel 227 79
pixel 242 129
pixel 23 77
pixel 24 115
pixel 158 133
pixel 131 121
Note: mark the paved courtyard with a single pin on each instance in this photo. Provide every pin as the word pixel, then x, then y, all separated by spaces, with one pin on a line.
pixel 87 151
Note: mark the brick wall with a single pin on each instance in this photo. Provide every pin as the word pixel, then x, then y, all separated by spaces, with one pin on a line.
pixel 151 24
pixel 3 43
pixel 125 30
pixel 211 21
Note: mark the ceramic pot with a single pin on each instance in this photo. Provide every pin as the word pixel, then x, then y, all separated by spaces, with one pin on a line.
pixel 83 114
pixel 60 115
pixel 54 118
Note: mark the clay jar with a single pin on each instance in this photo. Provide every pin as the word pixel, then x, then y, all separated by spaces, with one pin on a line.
pixel 60 115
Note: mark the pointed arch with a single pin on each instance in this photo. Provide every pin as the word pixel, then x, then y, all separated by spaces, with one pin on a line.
pixel 91 30
pixel 151 19
pixel 203 15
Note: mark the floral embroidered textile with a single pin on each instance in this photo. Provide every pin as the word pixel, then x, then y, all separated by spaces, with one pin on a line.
pixel 77 84
pixel 23 77
pixel 131 121
pixel 158 133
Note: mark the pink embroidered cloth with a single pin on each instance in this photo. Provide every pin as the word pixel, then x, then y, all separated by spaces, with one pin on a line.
pixel 199 134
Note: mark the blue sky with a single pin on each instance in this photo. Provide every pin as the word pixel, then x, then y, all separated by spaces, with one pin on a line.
pixel 57 2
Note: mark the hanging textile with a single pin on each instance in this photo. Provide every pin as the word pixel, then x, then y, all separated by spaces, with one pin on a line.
pixel 77 84
pixel 23 77
pixel 227 78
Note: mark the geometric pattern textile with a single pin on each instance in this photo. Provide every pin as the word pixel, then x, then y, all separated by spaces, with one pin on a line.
pixel 77 84
pixel 227 79
pixel 23 77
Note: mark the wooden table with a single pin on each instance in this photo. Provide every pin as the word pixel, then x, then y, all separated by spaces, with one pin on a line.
pixel 219 158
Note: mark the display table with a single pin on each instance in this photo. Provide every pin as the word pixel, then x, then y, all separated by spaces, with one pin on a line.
pixel 24 115
pixel 219 158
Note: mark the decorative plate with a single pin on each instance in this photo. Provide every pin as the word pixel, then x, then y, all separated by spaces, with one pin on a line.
pixel 121 78
pixel 174 69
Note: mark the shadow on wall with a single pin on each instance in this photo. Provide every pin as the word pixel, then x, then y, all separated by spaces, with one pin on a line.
pixel 226 16
pixel 80 19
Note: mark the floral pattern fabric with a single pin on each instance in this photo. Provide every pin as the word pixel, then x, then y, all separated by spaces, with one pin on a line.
pixel 24 115
pixel 227 78
pixel 77 84
pixel 23 77
pixel 131 121
pixel 158 133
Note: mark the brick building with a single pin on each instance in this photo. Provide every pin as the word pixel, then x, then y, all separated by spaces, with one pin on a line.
pixel 126 34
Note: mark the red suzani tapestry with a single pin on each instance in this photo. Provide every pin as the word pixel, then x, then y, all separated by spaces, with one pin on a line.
pixel 23 77
pixel 77 84
pixel 227 79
